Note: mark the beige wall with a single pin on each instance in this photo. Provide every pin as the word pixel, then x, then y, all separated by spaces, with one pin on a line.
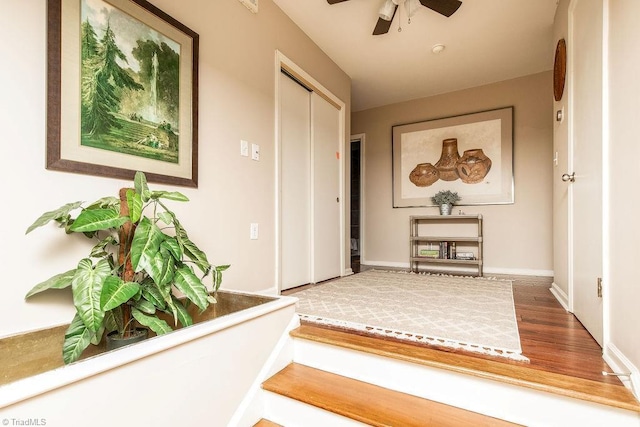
pixel 624 228
pixel 518 237
pixel 236 101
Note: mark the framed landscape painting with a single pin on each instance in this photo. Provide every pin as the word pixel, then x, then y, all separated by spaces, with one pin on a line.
pixel 122 91
pixel 470 154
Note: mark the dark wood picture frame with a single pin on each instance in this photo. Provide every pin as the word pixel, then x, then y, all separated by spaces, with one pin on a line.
pixel 56 106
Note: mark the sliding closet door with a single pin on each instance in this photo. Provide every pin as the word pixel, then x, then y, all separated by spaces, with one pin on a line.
pixel 325 140
pixel 295 184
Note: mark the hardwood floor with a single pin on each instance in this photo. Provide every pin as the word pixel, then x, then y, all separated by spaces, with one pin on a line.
pixel 554 340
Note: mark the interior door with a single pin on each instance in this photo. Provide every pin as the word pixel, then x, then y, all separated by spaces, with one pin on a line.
pixel 295 184
pixel 586 136
pixel 325 137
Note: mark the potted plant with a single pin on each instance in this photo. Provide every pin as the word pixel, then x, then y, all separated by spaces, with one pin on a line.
pixel 137 269
pixel 445 199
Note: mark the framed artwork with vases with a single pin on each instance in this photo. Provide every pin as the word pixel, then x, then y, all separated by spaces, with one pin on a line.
pixel 471 154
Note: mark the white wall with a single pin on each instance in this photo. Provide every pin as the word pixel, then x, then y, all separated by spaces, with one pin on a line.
pixel 624 227
pixel 236 101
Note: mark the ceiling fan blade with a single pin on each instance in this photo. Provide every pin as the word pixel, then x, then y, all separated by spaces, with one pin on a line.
pixel 443 7
pixel 382 26
pixel 335 1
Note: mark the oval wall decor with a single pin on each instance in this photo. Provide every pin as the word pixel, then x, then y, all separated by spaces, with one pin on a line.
pixel 559 69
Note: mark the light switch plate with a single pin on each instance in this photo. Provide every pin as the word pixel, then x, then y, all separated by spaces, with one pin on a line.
pixel 255 152
pixel 244 148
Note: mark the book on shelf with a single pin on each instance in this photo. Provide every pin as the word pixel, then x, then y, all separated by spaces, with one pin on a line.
pixel 465 256
pixel 447 250
pixel 429 253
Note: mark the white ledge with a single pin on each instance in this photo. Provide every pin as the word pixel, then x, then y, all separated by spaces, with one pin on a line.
pixel 38 384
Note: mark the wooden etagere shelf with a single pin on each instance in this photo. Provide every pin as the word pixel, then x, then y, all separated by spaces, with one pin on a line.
pixel 424 238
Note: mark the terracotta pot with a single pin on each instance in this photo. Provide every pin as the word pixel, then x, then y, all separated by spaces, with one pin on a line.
pixel 424 174
pixel 447 163
pixel 473 166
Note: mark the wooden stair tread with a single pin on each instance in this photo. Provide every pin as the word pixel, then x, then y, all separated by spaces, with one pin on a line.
pixel 266 423
pixel 368 403
pixel 515 373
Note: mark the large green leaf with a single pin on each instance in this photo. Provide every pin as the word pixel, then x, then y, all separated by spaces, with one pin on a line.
pixel 99 250
pixel 183 315
pixel 87 288
pixel 152 294
pixel 217 277
pixel 61 212
pixel 189 284
pixel 76 339
pixel 140 184
pixel 166 217
pixel 157 325
pixel 145 306
pixel 169 195
pixel 116 292
pixel 135 205
pixel 98 219
pixel 161 268
pixel 105 202
pixel 59 281
pixel 95 340
pixel 172 245
pixel 113 320
pixel 191 250
pixel 146 243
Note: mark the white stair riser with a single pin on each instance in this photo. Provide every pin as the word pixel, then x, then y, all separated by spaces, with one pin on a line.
pixel 500 400
pixel 293 413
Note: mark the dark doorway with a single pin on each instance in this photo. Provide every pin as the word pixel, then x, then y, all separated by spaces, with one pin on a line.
pixel 355 205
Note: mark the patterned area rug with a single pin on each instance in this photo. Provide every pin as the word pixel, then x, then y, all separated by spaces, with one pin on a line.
pixel 473 314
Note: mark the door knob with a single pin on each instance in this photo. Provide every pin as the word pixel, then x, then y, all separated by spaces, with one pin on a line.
pixel 569 178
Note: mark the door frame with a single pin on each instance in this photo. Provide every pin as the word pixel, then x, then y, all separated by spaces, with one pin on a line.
pixel 282 62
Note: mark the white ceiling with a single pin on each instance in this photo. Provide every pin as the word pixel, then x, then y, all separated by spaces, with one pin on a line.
pixel 486 41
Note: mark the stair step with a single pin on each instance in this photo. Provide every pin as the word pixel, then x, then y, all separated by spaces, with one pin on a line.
pixel 266 423
pixel 517 374
pixel 368 403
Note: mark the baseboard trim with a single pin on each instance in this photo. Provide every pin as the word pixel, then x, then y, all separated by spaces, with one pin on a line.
pixel 618 362
pixel 490 270
pixel 272 291
pixel 519 271
pixel 560 295
pixel 384 264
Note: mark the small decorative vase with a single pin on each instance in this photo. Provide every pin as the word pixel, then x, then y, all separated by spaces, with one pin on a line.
pixel 424 174
pixel 473 166
pixel 445 209
pixel 448 159
pixel 114 340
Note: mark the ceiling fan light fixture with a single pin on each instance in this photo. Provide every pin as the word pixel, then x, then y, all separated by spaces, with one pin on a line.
pixel 412 7
pixel 387 10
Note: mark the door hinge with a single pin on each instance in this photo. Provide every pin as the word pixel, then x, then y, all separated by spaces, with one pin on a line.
pixel 599 287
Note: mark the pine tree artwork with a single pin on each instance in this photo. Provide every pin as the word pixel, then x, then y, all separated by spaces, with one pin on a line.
pixel 130 85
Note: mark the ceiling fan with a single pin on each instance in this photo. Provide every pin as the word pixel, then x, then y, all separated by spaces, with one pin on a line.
pixel 389 8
